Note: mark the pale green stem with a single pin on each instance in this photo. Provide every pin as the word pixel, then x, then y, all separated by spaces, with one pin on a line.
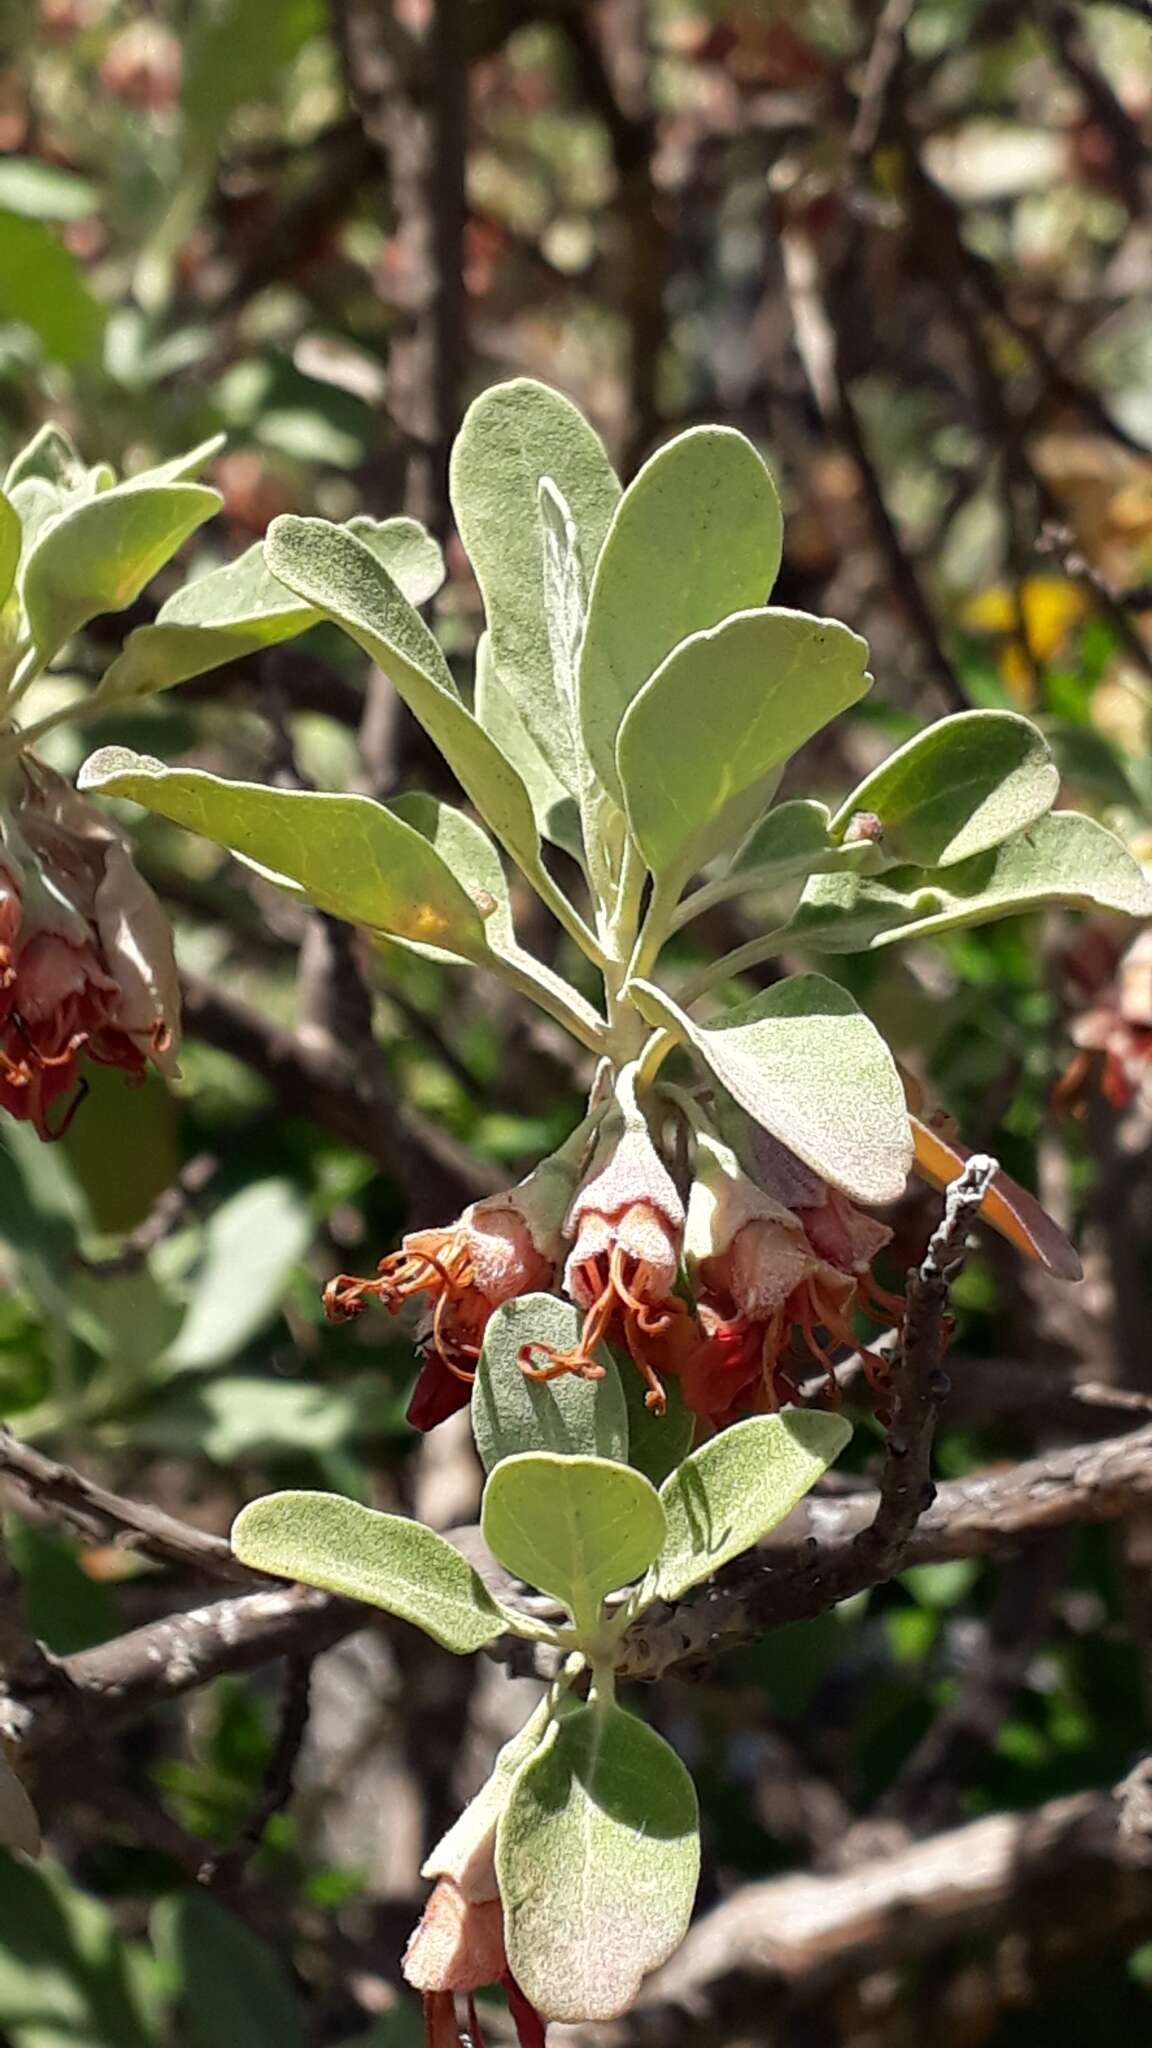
pixel 653 1056
pixel 591 1030
pixel 565 913
pixel 32 664
pixel 737 962
pixel 709 894
pixel 656 926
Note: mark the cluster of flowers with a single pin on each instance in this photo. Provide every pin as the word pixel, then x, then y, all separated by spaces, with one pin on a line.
pixel 740 1293
pixel 86 964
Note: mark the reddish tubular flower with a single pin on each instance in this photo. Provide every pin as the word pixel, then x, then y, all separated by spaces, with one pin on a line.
pixel 769 1275
pixel 458 1944
pixel 626 1223
pixel 503 1246
pixel 86 966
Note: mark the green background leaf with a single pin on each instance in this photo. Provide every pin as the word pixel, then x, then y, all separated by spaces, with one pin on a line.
pixel 232 1985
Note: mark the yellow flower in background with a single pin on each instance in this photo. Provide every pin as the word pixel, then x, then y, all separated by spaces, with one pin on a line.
pixel 1048 607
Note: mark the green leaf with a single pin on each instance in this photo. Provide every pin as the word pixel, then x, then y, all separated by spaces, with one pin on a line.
pixel 67 1974
pixel 469 1838
pixel 241 608
pixel 43 191
pixel 231 1985
pixel 469 854
pixel 736 1487
pixel 98 556
pixel 557 814
pixel 351 855
pixel 511 1413
pixel 251 1245
pixel 19 1826
pixel 656 1443
pixel 792 840
pixel 11 542
pixel 804 1062
pixel 43 287
pixel 577 1528
pixel 695 538
pixel 335 572
pixel 321 1539
pixel 960 787
pixel 719 717
pixel 597 1858
pixel 50 455
pixel 1063 858
pixel 514 438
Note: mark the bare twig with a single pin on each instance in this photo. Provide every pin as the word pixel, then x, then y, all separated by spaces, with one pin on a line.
pixel 1066 1879
pixel 168 1213
pixel 881 78
pixel 99 1516
pixel 223 1872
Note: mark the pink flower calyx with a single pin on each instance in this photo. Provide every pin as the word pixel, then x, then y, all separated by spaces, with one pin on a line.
pixel 500 1247
pixel 625 1227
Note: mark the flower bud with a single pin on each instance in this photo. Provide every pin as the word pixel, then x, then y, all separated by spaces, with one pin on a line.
pixel 625 1225
pixel 500 1247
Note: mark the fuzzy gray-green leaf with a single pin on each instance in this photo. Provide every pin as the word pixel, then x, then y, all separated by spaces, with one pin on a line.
pixel 569 1415
pixel 324 1540
pixel 597 1858
pixel 695 537
pixel 958 788
pixel 802 1060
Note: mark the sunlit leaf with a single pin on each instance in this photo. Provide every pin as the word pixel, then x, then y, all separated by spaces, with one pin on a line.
pixel 958 788
pixel 43 287
pixel 700 742
pixel 598 1859
pixel 514 438
pixel 576 1527
pixel 321 1539
pixel 695 537
pixel 736 1487
pixel 569 1415
pixel 99 555
pixel 809 1066
pixel 351 855
pixel 1063 858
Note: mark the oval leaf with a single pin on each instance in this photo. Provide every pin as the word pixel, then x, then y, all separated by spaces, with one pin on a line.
pixel 515 438
pixel 695 538
pixel 557 813
pixel 241 607
pixel 958 788
pixel 99 556
pixel 323 1540
pixel 598 1858
pixel 577 1528
pixel 351 856
pixel 571 1416
pixel 809 1066
pixel 19 1825
pixel 724 711
pixel 1063 858
pixel 736 1487
pixel 341 577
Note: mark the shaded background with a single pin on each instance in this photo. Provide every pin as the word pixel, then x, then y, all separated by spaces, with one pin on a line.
pixel 908 250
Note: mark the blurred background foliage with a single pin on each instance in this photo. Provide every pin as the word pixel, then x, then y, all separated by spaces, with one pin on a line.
pixel 908 249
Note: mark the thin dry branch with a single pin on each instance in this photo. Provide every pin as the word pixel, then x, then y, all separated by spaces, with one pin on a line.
pixel 1072 1876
